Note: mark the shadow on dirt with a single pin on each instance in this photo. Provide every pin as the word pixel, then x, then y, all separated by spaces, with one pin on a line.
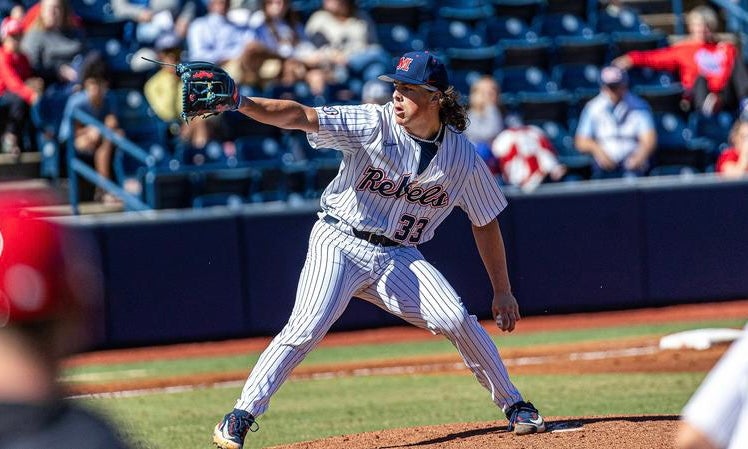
pixel 554 425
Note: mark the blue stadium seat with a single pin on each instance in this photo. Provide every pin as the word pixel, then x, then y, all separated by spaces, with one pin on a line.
pixel 514 80
pixel 562 24
pixel 624 42
pixel 715 128
pixel 409 13
pixel 672 170
pixel 664 99
pixel 468 10
pixel 586 49
pixel 141 126
pixel 525 52
pixel 563 142
pixel 237 181
pixel 211 154
pixel 644 76
pixel 398 39
pixel 304 8
pixel 525 10
pixel 46 115
pixel 170 189
pixel 626 20
pixel 266 156
pixel 444 34
pixel 116 56
pixel 463 79
pixel 500 28
pixel 580 79
pixel 480 59
pixel 572 7
pixel 676 144
pixel 94 10
pixel 218 199
pixel 547 106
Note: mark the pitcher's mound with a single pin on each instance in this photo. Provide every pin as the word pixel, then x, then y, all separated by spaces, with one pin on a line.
pixel 631 432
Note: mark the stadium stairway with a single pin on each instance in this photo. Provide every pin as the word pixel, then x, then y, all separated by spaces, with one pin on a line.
pixel 22 175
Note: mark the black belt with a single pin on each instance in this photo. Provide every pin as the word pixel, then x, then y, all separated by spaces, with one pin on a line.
pixel 375 239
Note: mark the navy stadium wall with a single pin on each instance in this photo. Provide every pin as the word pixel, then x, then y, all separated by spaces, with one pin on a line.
pixel 175 276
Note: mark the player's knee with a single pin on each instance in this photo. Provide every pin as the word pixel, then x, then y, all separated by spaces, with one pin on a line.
pixel 453 322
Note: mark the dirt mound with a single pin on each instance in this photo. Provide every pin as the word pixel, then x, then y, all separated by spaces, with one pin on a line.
pixel 631 432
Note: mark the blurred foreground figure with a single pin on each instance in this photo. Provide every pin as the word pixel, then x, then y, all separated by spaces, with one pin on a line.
pixel 716 416
pixel 49 286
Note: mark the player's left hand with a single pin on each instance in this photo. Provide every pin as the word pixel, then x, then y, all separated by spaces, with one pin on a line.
pixel 207 89
pixel 505 311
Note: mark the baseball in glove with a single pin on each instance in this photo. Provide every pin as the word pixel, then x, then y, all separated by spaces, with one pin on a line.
pixel 206 89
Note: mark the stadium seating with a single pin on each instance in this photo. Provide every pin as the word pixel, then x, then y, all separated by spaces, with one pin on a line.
pixel 715 128
pixel 580 79
pixel 500 28
pixel 398 39
pixel 525 10
pixel 141 126
pixel 525 52
pixel 585 49
pixel 514 80
pixel 46 115
pixel 664 99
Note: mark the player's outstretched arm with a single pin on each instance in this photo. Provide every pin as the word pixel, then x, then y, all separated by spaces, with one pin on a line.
pixel 284 114
pixel 491 249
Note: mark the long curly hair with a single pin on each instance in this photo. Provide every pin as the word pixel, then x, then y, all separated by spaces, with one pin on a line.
pixel 451 110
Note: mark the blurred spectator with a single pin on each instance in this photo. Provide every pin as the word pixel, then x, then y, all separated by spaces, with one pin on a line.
pixel 97 101
pixel 213 38
pixel 733 162
pixel 164 89
pixel 164 94
pixel 280 47
pixel 376 92
pixel 346 38
pixel 485 116
pixel 50 288
pixel 712 73
pixel 525 156
pixel 53 45
pixel 156 17
pixel 19 89
pixel 616 128
pixel 716 416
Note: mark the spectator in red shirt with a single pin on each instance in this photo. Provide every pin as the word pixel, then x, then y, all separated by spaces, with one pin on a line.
pixel 712 73
pixel 19 89
pixel 733 162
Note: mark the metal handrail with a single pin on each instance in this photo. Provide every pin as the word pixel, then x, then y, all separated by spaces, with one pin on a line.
pixel 78 167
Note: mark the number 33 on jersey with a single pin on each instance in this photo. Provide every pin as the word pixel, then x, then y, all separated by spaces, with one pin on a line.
pixel 379 189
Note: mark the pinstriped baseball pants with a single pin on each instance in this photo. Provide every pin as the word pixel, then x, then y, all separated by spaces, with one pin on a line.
pixel 339 266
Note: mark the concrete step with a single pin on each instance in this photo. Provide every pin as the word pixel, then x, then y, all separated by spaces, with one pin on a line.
pixel 27 166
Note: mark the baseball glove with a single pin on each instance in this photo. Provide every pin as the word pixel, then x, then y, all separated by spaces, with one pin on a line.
pixel 206 89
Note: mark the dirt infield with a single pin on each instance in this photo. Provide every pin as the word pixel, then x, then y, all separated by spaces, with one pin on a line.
pixel 620 355
pixel 630 432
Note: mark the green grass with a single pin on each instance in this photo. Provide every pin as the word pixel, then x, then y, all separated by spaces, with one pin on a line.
pixel 312 409
pixel 327 355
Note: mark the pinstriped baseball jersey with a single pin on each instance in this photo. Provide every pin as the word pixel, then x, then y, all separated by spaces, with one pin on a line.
pixel 379 189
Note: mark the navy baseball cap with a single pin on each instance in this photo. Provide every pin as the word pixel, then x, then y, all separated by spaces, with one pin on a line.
pixel 421 68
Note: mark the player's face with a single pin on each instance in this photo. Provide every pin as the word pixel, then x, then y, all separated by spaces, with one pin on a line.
pixel 410 102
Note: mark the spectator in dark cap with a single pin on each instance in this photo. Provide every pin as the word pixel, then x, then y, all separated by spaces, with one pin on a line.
pixel 616 128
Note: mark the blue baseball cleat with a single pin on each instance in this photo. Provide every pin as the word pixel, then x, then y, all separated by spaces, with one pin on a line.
pixel 230 432
pixel 524 419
